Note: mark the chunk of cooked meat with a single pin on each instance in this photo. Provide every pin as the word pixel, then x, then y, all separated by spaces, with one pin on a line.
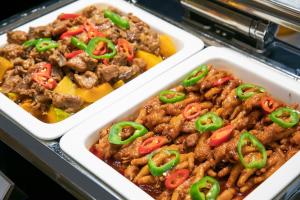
pixel 69 103
pixel 40 32
pixel 86 80
pixel 17 37
pixel 81 63
pixel 107 72
pixel 12 51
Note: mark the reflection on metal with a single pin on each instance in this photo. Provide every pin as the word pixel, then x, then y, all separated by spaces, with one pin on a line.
pixel 260 31
pixel 282 12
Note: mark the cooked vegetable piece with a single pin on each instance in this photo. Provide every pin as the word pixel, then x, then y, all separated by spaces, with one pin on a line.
pixel 206 183
pixel 125 47
pixel 118 84
pixel 150 59
pixel 268 104
pixel 73 54
pixel 285 117
pixel 195 76
pixel 116 129
pixel 65 16
pixel 28 106
pixel 95 93
pixel 45 44
pixel 243 95
pixel 208 122
pixel 92 30
pixel 170 96
pixel 166 46
pixel 192 110
pixel 176 178
pixel 222 81
pixel 56 115
pixel 93 44
pixel 4 66
pixel 65 86
pixel 151 144
pixel 43 76
pixel 116 19
pixel 72 32
pixel 79 44
pixel 254 163
pixel 159 170
pixel 220 136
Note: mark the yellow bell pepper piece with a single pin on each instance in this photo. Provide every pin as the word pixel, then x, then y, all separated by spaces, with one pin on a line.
pixel 149 58
pixel 4 65
pixel 95 93
pixel 27 105
pixel 65 86
pixel 118 84
pixel 12 96
pixel 55 115
pixel 166 45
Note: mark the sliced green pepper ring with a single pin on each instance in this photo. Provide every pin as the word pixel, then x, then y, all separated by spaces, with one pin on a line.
pixel 114 133
pixel 45 44
pixel 157 171
pixel 93 44
pixel 116 19
pixel 206 182
pixel 245 95
pixel 208 122
pixel 258 164
pixel 195 76
pixel 33 42
pixel 170 96
pixel 292 120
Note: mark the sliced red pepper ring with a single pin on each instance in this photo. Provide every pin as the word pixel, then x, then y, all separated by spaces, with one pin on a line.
pixel 65 16
pixel 192 110
pixel 44 69
pixel 105 61
pixel 220 136
pixel 73 54
pixel 222 81
pixel 100 49
pixel 269 104
pixel 152 144
pixel 92 30
pixel 48 83
pixel 176 178
pixel 125 47
pixel 72 32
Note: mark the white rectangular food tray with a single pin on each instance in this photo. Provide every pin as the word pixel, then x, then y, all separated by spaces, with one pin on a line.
pixel 77 141
pixel 186 45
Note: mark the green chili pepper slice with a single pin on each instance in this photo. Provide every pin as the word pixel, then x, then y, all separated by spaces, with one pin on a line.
pixel 194 76
pixel 116 19
pixel 77 43
pixel 258 164
pixel 245 95
pixel 45 44
pixel 292 120
pixel 93 44
pixel 114 134
pixel 157 171
pixel 170 96
pixel 33 42
pixel 208 122
pixel 206 182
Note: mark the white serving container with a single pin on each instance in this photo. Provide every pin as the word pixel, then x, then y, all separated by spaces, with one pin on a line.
pixel 186 45
pixel 76 142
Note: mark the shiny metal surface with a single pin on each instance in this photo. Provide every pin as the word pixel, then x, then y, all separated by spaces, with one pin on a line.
pixel 282 12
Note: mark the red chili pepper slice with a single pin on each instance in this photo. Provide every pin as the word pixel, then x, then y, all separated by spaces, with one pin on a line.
pixel 100 49
pixel 192 110
pixel 92 30
pixel 66 16
pixel 269 104
pixel 105 61
pixel 222 81
pixel 221 135
pixel 70 33
pixel 176 178
pixel 151 144
pixel 43 76
pixel 125 47
pixel 73 54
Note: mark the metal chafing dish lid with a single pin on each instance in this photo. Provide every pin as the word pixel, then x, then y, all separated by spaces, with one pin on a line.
pixel 282 12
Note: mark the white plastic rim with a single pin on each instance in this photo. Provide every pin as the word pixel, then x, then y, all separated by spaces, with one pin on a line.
pixel 76 142
pixel 186 45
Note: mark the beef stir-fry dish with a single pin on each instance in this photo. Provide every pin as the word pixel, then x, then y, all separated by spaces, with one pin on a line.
pixel 212 137
pixel 53 71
